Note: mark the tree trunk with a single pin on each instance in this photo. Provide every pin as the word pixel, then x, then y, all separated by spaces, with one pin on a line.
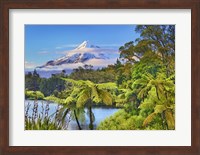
pixel 91 118
pixel 77 120
pixel 157 93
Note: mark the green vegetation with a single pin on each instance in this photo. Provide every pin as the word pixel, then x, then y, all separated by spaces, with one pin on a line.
pixel 42 120
pixel 148 92
pixel 32 95
pixel 41 124
pixel 141 83
pixel 49 86
pixel 84 93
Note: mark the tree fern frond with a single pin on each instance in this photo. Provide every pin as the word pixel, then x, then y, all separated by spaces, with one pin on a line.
pixel 140 82
pixel 148 76
pixel 74 82
pixel 170 119
pixel 69 100
pixel 149 119
pixel 159 109
pixel 143 92
pixel 55 99
pixel 84 96
pixel 109 86
pixel 106 97
pixel 129 93
pixel 94 92
pixel 146 105
pixel 118 100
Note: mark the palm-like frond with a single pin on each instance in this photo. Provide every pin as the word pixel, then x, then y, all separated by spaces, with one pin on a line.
pixel 109 86
pixel 159 109
pixel 75 91
pixel 143 92
pixel 83 97
pixel 149 119
pixel 55 99
pixel 95 94
pixel 141 82
pixel 69 100
pixel 74 82
pixel 170 119
pixel 106 97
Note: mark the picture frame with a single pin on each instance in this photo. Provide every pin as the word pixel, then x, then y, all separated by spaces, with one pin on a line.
pixel 5 149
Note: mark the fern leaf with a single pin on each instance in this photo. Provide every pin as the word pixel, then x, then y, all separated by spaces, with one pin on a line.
pixel 84 96
pixel 69 100
pixel 106 97
pixel 159 109
pixel 109 86
pixel 140 82
pixel 74 82
pixel 149 119
pixel 170 119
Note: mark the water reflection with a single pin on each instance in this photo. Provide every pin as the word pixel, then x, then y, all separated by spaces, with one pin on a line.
pixel 99 113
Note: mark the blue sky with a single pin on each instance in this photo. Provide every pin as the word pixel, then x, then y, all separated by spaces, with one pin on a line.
pixel 47 42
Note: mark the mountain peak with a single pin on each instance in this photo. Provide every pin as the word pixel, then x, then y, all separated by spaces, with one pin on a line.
pixel 82 45
pixel 84 54
pixel 85 44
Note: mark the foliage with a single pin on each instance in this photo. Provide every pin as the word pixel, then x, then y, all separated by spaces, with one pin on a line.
pixel 32 81
pixel 96 76
pixel 52 85
pixel 34 95
pixel 41 124
pixel 87 91
pixel 55 99
pixel 150 92
pixel 121 120
pixel 42 121
pixel 84 93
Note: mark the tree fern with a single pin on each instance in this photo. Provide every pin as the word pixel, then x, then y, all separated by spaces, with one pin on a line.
pixel 87 92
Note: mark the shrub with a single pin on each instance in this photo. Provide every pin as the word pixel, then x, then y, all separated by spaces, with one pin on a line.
pixel 34 95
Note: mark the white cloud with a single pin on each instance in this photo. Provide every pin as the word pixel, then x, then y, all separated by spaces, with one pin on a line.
pixel 43 52
pixel 96 63
pixel 67 45
pixel 30 65
pixel 76 45
pixel 91 50
pixel 101 62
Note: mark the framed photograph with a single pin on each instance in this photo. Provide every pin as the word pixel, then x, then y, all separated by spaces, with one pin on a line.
pixel 100 77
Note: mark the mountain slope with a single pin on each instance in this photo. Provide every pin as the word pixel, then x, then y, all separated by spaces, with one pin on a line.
pixel 83 54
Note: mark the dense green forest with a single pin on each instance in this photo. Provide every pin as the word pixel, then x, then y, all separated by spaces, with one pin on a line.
pixel 141 83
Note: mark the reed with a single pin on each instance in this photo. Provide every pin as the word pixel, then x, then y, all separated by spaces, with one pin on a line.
pixel 42 120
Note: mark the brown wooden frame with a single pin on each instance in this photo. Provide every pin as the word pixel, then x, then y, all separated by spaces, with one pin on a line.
pixel 5 5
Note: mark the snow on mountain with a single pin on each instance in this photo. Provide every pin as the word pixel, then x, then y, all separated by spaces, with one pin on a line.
pixel 83 45
pixel 83 54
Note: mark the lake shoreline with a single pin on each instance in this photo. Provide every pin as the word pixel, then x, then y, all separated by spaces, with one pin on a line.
pixel 100 113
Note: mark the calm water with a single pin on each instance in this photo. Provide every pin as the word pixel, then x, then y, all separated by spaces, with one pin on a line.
pixel 99 113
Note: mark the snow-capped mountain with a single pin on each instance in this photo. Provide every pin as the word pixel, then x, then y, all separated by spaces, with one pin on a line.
pixel 83 54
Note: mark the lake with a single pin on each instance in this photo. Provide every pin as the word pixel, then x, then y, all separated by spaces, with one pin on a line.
pixel 99 113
